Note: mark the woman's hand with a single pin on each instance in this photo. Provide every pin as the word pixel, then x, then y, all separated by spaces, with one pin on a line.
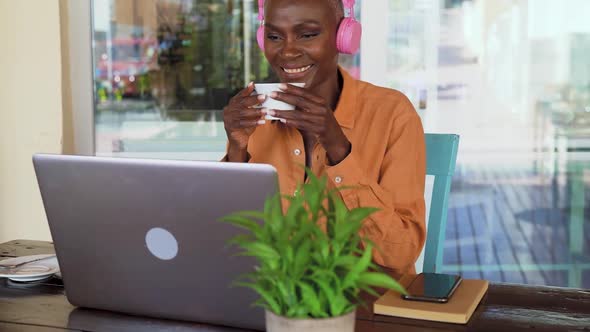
pixel 313 116
pixel 240 119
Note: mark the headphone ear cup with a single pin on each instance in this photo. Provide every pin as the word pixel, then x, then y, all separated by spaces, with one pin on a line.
pixel 348 40
pixel 260 37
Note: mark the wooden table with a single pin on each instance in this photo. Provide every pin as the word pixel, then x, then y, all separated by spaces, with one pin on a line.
pixel 43 307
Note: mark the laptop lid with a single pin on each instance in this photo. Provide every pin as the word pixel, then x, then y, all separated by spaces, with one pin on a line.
pixel 142 236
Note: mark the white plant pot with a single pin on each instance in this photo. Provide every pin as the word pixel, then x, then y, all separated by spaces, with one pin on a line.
pixel 344 323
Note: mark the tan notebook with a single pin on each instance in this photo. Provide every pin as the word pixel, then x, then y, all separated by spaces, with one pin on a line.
pixel 458 310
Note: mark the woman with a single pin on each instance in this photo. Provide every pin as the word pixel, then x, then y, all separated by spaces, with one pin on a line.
pixel 359 135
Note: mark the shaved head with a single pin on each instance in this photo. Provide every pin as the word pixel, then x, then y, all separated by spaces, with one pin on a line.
pixel 336 6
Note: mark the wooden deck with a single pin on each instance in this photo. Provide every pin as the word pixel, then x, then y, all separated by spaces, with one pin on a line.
pixel 512 225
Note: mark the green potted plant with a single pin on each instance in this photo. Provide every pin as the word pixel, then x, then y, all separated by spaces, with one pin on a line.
pixel 312 266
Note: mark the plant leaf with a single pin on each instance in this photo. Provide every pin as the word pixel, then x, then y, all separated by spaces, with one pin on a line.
pixel 360 214
pixel 266 296
pixel 378 279
pixel 347 229
pixel 238 240
pixel 340 209
pixel 253 214
pixel 339 305
pixel 324 250
pixel 289 256
pixel 361 265
pixel 326 289
pixel 243 222
pixel 272 211
pixel 346 261
pixel 370 291
pixel 297 311
pixel 310 298
pixel 302 258
pixel 261 250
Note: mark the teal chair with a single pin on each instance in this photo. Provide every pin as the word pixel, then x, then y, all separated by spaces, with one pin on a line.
pixel 441 156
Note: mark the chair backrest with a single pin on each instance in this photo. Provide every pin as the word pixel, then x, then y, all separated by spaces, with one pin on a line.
pixel 441 157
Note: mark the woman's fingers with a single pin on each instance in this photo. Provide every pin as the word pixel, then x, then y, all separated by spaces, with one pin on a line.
pixel 250 123
pixel 248 90
pixel 300 120
pixel 301 92
pixel 245 97
pixel 245 118
pixel 299 102
pixel 249 101
pixel 250 113
pixel 295 115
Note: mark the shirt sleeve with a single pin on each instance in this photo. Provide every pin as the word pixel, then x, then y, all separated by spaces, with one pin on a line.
pixel 398 228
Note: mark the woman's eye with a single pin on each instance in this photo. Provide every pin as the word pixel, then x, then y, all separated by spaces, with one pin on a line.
pixel 272 37
pixel 309 35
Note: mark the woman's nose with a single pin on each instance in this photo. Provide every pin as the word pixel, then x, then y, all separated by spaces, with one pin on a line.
pixel 290 49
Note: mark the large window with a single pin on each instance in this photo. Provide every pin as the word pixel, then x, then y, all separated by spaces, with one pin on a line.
pixel 511 77
pixel 164 69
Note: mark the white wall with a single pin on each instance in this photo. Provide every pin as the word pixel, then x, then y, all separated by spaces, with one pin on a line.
pixel 374 17
pixel 30 110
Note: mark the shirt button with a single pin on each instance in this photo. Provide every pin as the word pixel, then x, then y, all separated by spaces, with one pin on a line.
pixel 297 152
pixel 338 179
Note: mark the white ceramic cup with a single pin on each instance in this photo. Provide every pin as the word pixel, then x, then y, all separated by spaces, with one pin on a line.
pixel 266 89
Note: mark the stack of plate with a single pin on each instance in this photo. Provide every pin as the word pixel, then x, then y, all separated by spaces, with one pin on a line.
pixel 29 268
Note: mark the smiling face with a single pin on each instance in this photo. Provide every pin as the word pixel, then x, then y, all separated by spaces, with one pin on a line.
pixel 300 41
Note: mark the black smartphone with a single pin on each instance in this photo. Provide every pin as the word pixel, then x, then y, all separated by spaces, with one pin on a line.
pixel 432 287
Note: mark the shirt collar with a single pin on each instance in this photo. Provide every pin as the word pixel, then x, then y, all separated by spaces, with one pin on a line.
pixel 346 106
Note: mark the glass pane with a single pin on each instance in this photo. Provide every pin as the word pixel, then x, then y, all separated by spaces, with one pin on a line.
pixel 513 79
pixel 164 69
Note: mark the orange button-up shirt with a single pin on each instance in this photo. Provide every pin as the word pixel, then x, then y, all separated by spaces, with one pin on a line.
pixel 386 166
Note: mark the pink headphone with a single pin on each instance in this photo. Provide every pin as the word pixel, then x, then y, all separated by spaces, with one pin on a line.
pixel 348 39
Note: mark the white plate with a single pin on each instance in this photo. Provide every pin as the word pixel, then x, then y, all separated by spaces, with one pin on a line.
pixel 30 272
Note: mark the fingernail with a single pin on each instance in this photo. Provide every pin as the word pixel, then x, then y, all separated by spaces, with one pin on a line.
pixel 261 97
pixel 261 122
pixel 273 94
pixel 250 84
pixel 283 120
pixel 282 86
pixel 269 112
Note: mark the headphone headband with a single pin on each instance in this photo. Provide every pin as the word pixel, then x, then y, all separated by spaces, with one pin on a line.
pixel 347 4
pixel 261 10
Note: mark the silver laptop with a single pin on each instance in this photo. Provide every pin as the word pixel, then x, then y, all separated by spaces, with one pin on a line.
pixel 142 236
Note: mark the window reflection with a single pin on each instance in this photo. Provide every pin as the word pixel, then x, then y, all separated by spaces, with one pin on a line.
pixel 164 69
pixel 178 54
pixel 513 79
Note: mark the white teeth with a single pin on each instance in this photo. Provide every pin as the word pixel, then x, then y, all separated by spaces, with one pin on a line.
pixel 297 70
